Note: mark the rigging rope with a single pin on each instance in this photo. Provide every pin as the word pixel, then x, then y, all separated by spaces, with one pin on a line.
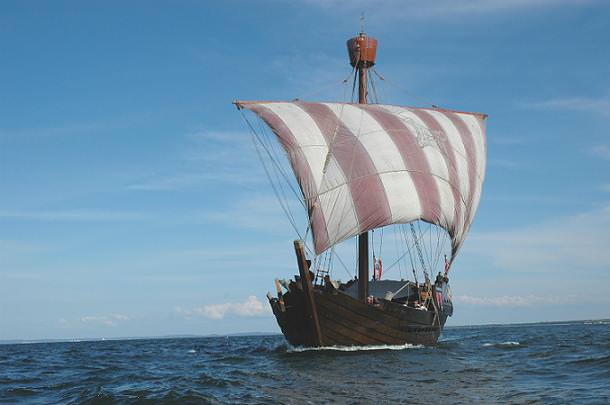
pixel 264 144
pixel 271 157
pixel 283 204
pixel 349 276
pixel 408 92
pixel 419 252
pixel 374 90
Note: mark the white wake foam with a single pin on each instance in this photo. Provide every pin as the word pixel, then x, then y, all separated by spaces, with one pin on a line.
pixel 354 348
pixel 503 344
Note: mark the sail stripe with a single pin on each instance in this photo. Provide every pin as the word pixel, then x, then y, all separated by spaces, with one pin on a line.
pixel 332 187
pixel 450 160
pixel 368 194
pixel 402 202
pixel 456 144
pixel 439 172
pixel 304 173
pixel 414 160
pixel 365 166
pixel 476 127
pixel 471 156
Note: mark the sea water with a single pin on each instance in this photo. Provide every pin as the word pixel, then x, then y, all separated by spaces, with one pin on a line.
pixel 536 363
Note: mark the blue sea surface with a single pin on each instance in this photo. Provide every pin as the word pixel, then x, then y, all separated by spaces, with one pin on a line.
pixel 550 363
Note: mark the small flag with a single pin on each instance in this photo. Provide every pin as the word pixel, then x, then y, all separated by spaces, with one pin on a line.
pixel 377 269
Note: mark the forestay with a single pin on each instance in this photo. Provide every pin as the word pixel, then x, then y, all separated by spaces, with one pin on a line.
pixel 361 167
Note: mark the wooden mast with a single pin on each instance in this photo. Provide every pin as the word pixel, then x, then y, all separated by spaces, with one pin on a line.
pixel 363 238
pixel 362 50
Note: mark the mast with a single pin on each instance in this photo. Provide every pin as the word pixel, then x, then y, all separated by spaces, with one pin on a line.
pixel 362 50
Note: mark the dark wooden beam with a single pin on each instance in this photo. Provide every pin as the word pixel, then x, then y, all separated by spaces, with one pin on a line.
pixel 308 290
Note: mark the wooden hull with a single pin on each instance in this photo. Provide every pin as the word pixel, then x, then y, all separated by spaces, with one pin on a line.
pixel 347 321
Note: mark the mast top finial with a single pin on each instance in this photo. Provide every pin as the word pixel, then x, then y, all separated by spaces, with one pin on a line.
pixel 362 23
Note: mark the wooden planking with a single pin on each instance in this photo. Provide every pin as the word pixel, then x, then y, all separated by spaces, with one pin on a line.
pixel 339 339
pixel 345 321
pixel 394 318
pixel 347 337
pixel 330 339
pixel 409 315
pixel 359 323
pixel 367 312
pixel 352 330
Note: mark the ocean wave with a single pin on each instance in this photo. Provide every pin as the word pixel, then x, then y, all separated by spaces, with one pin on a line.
pixel 595 360
pixel 506 344
pixel 353 348
pixel 469 365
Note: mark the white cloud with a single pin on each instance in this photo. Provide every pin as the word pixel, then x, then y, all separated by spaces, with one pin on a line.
pixel 106 320
pixel 568 244
pixel 594 105
pixel 605 187
pixel 602 151
pixel 251 307
pixel 514 301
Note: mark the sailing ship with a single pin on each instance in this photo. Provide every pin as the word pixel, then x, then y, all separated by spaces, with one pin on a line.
pixel 361 167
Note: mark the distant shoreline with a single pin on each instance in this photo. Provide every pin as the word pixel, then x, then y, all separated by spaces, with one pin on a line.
pixel 245 334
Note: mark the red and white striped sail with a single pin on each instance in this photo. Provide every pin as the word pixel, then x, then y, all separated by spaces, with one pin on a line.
pixel 361 167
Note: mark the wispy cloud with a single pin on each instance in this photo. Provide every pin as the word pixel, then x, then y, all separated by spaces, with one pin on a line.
pixel 24 276
pixel 562 245
pixel 316 76
pixel 51 131
pixel 413 9
pixel 20 247
pixel 106 320
pixel 210 158
pixel 505 163
pixel 250 307
pixel 76 215
pixel 508 140
pixel 258 212
pixel 192 180
pixel 599 106
pixel 602 151
pixel 605 187
pixel 231 137
pixel 515 300
pixel 262 212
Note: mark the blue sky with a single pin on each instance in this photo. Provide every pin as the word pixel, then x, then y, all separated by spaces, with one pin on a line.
pixel 132 201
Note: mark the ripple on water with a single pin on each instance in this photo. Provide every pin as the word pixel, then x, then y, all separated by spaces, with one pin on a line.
pixel 504 364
